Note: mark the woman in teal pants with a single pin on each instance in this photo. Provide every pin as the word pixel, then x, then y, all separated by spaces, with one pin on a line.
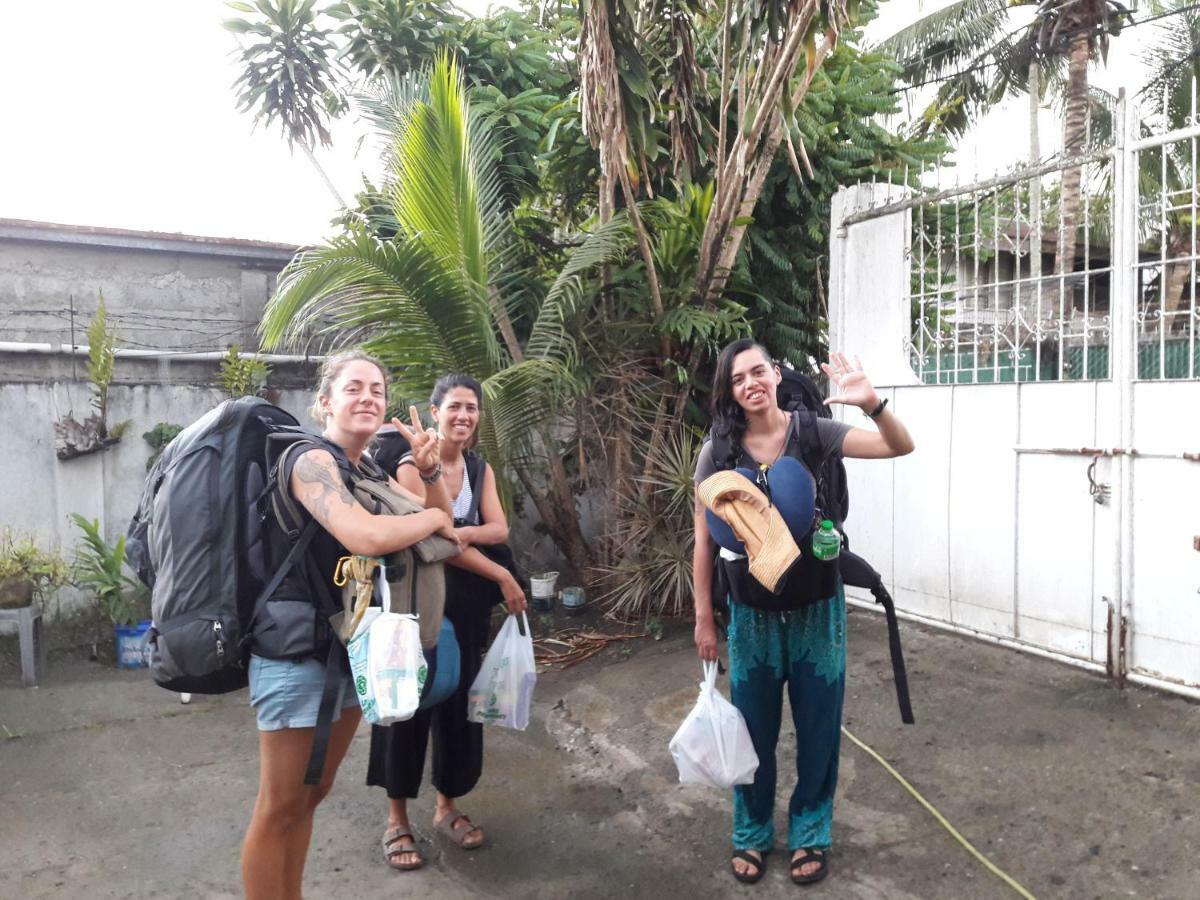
pixel 803 647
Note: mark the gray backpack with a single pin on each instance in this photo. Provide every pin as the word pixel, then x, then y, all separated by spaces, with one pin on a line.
pixel 197 541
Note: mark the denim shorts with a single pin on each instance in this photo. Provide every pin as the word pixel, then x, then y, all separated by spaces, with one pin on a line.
pixel 286 693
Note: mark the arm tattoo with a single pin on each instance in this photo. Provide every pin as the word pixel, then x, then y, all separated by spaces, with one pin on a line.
pixel 322 488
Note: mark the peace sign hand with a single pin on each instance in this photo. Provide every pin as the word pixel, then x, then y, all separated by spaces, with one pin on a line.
pixel 425 443
pixel 852 382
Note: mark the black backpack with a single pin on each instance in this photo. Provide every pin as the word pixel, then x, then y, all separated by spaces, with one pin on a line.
pixel 798 394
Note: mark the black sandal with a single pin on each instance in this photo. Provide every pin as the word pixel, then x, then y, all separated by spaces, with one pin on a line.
pixel 811 855
pixel 759 862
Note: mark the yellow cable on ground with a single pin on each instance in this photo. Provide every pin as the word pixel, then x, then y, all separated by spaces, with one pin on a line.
pixel 1003 876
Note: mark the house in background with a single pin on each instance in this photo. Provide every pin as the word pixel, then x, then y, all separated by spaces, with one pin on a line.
pixel 170 292
pixel 1050 326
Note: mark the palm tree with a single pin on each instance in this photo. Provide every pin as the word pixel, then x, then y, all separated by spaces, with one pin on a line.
pixel 767 54
pixel 289 73
pixel 433 298
pixel 988 60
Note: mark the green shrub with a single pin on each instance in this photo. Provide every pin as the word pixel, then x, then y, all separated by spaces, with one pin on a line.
pixel 99 567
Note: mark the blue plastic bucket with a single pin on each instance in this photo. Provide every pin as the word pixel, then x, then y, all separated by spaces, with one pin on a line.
pixel 131 645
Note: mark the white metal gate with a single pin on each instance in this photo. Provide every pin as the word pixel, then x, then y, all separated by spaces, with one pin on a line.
pixel 1042 346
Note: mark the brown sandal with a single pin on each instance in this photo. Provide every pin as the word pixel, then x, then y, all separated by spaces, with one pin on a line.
pixel 457 826
pixel 391 852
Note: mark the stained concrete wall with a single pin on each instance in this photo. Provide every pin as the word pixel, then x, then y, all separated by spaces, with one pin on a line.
pixel 165 294
pixel 40 491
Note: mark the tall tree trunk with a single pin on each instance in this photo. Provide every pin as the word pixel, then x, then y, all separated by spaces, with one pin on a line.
pixel 741 177
pixel 312 158
pixel 504 324
pixel 1176 295
pixel 1074 135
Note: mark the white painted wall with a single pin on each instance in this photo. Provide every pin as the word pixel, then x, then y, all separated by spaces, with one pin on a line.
pixel 869 283
pixel 40 492
pixel 969 532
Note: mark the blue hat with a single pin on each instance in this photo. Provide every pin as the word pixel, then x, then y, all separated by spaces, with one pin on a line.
pixel 792 492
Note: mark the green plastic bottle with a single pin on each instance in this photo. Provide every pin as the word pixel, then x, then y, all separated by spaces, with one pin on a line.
pixel 826 542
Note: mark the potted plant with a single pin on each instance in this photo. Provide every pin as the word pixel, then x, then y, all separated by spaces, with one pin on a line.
pixel 27 572
pixel 119 598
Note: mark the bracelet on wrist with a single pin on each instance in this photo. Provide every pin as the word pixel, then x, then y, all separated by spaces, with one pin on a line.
pixel 433 475
pixel 877 411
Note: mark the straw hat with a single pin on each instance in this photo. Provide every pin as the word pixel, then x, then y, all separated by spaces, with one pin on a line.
pixel 736 500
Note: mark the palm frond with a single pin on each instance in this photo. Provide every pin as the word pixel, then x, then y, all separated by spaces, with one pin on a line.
pixel 942 41
pixel 521 398
pixel 1172 61
pixel 444 185
pixel 607 245
pixel 419 316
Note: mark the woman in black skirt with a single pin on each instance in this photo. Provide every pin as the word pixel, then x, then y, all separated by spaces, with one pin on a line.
pixel 476 580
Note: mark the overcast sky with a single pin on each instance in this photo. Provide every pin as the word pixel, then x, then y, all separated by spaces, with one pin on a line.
pixel 122 115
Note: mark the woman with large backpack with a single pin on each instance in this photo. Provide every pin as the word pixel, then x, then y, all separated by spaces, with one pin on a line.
pixel 291 638
pixel 796 637
pixel 480 577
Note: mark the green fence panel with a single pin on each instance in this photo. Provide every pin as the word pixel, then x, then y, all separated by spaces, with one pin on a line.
pixel 960 368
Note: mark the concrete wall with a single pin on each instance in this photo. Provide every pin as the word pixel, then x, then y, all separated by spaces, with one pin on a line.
pixel 177 293
pixel 869 283
pixel 41 491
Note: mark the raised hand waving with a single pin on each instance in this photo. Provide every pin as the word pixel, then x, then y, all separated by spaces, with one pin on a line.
pixel 854 388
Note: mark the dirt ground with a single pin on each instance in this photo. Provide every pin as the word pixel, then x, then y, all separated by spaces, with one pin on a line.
pixel 109 787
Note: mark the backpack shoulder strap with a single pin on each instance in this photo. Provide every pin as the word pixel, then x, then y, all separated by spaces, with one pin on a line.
pixel 284 450
pixel 724 455
pixel 805 441
pixel 475 469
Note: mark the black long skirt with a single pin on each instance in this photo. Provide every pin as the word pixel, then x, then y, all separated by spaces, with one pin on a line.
pixel 397 756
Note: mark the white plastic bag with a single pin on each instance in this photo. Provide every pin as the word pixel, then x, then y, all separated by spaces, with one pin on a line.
pixel 713 745
pixel 388 666
pixel 502 693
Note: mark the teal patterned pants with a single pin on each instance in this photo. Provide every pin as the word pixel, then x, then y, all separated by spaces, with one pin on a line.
pixel 806 650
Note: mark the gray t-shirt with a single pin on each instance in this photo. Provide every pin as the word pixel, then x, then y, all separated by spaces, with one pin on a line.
pixel 830 433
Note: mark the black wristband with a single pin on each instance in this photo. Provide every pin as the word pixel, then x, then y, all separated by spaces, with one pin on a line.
pixel 877 411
